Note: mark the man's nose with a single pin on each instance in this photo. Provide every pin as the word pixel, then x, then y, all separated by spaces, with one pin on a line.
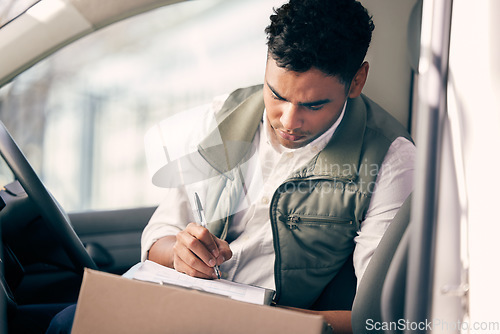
pixel 290 118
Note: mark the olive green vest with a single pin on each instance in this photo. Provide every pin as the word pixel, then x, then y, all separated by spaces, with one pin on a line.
pixel 315 214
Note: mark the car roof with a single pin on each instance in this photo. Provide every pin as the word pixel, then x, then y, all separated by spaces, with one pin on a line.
pixel 49 25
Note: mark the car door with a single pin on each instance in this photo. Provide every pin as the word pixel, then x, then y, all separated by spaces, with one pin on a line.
pixel 112 237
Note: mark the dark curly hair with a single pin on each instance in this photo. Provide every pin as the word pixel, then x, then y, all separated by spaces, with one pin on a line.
pixel 330 35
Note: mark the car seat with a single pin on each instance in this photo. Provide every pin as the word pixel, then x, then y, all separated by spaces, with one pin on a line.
pixel 367 306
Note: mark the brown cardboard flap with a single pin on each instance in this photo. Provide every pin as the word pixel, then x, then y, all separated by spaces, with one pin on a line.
pixel 112 304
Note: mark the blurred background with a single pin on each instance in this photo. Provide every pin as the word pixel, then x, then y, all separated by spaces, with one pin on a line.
pixel 81 114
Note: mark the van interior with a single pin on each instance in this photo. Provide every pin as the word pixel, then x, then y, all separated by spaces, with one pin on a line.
pixel 81 81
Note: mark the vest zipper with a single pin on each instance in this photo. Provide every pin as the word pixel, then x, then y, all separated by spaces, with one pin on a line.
pixel 276 244
pixel 293 221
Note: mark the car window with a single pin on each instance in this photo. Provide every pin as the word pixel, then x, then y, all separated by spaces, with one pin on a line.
pixel 10 9
pixel 80 116
pixel 6 175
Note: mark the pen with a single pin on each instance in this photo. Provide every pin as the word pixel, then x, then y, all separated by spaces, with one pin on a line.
pixel 203 223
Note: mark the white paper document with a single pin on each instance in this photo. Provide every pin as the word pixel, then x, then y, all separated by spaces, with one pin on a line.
pixel 153 272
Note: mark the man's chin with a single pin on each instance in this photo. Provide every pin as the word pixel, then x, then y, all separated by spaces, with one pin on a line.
pixel 293 144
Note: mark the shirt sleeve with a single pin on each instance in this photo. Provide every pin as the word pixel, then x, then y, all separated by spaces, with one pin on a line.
pixel 394 184
pixel 172 216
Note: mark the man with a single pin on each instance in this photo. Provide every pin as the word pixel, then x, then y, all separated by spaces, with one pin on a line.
pixel 320 168
pixel 306 170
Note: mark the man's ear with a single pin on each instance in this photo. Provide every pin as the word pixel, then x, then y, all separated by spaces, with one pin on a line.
pixel 359 80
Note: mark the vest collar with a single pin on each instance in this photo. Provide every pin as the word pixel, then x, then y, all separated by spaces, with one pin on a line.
pixel 340 157
pixel 229 144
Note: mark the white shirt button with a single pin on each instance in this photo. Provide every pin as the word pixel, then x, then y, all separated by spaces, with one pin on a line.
pixel 265 200
pixel 289 155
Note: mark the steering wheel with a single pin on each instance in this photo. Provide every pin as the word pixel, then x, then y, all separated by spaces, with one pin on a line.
pixel 49 209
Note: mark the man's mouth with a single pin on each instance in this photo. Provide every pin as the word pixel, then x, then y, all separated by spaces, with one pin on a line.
pixel 290 136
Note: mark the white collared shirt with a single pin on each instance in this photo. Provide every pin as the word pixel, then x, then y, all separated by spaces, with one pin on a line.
pixel 250 236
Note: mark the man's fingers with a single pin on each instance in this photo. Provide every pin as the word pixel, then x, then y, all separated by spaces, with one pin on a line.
pixel 197 251
pixel 225 252
pixel 205 237
pixel 192 250
pixel 183 267
pixel 187 262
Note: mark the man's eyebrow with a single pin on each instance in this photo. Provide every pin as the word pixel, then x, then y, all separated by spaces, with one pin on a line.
pixel 275 93
pixel 305 104
pixel 315 103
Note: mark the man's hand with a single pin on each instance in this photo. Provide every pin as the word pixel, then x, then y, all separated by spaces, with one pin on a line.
pixel 196 252
pixel 193 251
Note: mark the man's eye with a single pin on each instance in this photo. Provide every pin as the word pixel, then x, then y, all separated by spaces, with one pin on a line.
pixel 318 107
pixel 276 97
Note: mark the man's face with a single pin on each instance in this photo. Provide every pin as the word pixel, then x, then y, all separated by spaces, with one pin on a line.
pixel 301 106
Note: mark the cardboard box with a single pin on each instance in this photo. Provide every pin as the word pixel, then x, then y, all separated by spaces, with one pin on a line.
pixel 113 304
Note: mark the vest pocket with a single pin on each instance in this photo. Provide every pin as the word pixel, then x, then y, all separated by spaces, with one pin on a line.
pixel 314 241
pixel 310 250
